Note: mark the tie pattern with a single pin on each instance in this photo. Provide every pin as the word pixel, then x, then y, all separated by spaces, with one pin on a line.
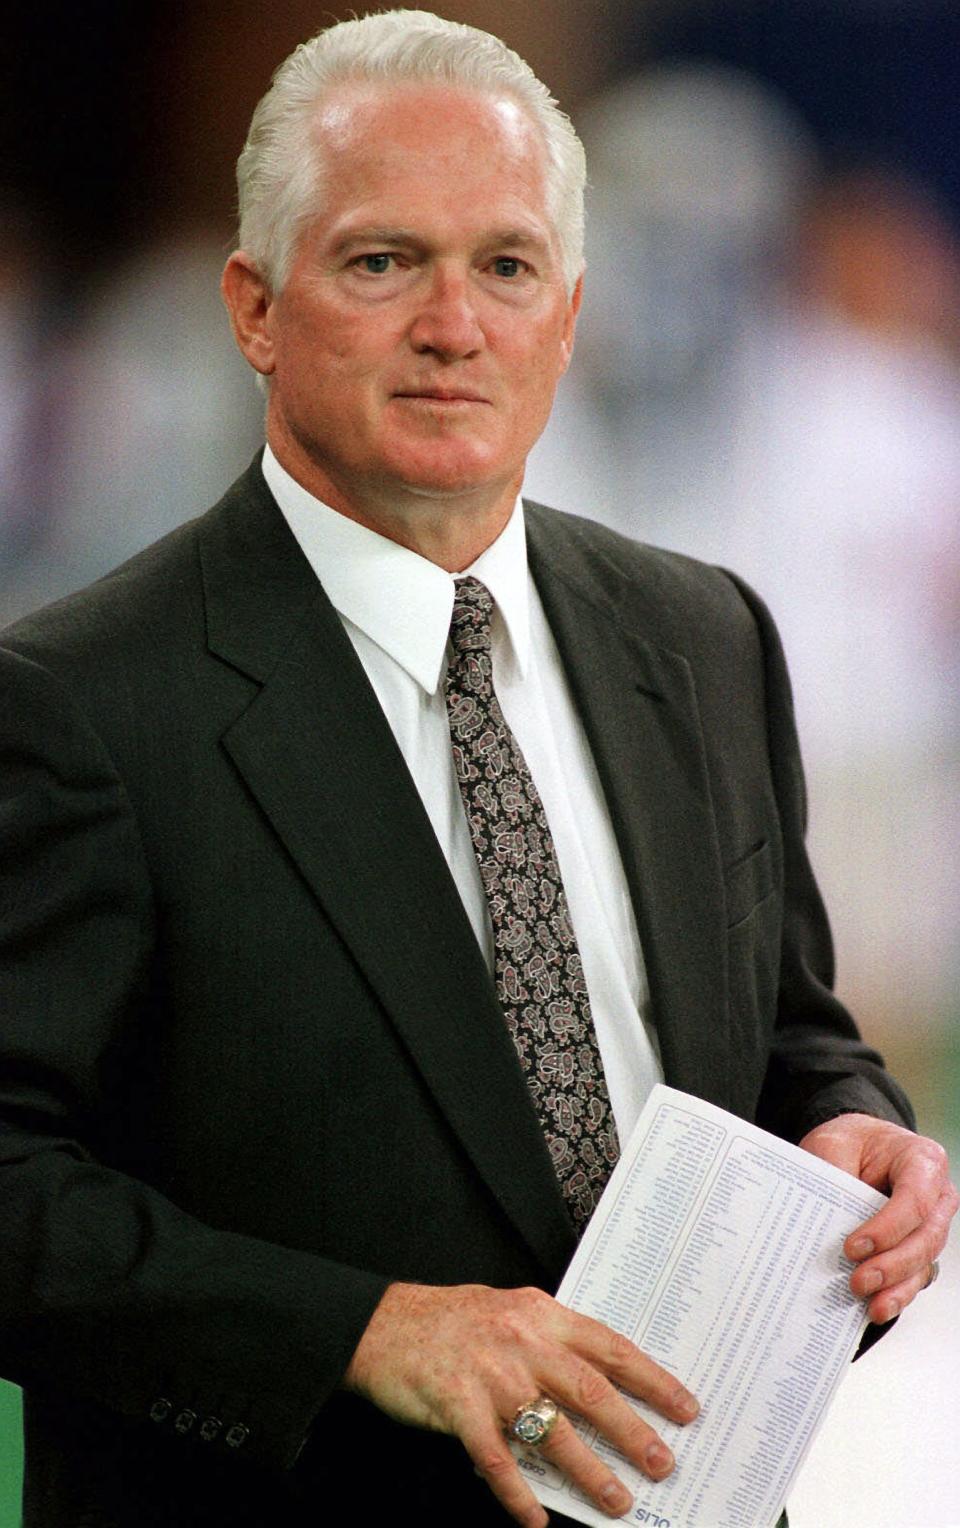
pixel 537 967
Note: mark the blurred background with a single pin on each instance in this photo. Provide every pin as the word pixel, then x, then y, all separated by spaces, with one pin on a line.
pixel 767 375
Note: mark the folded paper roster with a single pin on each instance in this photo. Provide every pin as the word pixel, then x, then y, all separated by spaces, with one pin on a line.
pixel 718 1249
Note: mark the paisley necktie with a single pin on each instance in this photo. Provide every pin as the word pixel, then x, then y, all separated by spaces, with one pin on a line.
pixel 537 967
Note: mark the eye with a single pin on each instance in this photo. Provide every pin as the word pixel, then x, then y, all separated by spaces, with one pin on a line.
pixel 375 264
pixel 509 267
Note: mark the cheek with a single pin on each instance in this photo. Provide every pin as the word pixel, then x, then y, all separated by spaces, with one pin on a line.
pixel 541 369
pixel 330 373
pixel 351 358
pixel 545 355
pixel 315 334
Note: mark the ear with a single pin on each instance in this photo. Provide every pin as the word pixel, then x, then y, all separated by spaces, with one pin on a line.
pixel 249 301
pixel 570 324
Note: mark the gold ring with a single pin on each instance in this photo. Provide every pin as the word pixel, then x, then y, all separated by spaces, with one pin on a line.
pixel 534 1422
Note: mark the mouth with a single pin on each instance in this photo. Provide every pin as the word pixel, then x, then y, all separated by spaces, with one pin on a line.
pixel 446 397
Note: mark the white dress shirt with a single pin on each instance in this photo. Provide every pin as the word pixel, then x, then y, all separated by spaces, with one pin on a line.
pixel 396 607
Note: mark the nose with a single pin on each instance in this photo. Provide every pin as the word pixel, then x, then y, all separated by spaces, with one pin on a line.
pixel 446 323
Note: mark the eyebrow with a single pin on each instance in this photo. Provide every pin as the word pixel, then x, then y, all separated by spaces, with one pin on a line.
pixel 516 238
pixel 521 238
pixel 375 235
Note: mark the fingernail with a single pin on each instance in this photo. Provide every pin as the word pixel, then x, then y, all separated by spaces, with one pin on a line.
pixel 659 1459
pixel 862 1247
pixel 616 1498
pixel 893 1309
pixel 687 1406
pixel 872 1281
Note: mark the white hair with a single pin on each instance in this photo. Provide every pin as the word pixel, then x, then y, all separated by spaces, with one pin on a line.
pixel 280 177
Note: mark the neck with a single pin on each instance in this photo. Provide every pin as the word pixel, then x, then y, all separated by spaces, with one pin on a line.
pixel 451 529
pixel 450 536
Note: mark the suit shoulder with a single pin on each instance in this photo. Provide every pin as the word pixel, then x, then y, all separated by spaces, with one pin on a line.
pixel 679 594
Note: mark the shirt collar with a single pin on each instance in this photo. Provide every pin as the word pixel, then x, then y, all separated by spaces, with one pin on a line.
pixel 400 600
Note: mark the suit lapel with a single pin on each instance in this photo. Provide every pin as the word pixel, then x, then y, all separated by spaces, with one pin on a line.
pixel 638 704
pixel 318 755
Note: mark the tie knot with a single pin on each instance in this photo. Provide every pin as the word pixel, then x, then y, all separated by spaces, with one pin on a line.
pixel 470 621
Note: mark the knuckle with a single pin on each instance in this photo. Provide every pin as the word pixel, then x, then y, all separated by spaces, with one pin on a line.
pixel 622 1350
pixel 527 1308
pixel 529 1516
pixel 935 1158
pixel 534 1298
pixel 592 1390
pixel 636 1435
pixel 515 1315
pixel 494 1463
pixel 498 1469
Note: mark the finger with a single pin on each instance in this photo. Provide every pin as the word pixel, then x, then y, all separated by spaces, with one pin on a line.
pixel 584 1390
pixel 890 1302
pixel 495 1464
pixel 567 1450
pixel 912 1257
pixel 918 1176
pixel 626 1365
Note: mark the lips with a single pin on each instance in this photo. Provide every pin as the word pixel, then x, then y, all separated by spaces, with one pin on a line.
pixel 443 395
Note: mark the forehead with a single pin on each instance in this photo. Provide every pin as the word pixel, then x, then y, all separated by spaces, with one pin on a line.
pixel 410 138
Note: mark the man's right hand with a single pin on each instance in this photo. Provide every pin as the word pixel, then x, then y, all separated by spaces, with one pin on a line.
pixel 463 1359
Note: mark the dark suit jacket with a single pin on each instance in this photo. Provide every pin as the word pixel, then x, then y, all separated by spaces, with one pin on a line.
pixel 251 1063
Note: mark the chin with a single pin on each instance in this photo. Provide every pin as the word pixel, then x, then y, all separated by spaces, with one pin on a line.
pixel 458 473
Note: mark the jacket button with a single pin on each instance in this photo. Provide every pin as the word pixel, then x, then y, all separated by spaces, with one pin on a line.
pixel 237 1435
pixel 185 1420
pixel 209 1428
pixel 160 1410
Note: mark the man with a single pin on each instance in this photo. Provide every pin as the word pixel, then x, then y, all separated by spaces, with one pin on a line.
pixel 318 1032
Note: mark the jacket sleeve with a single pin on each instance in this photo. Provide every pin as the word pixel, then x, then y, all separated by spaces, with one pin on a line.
pixel 109 1292
pixel 819 1066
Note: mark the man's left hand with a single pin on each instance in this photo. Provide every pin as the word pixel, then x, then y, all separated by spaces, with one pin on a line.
pixel 896 1249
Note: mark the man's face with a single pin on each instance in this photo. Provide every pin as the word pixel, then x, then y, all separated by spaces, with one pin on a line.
pixel 418 341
